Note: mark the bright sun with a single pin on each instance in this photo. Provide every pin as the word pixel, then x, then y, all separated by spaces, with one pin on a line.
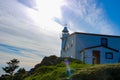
pixel 49 8
pixel 46 11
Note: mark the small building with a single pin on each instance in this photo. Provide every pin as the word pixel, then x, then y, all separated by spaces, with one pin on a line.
pixel 90 48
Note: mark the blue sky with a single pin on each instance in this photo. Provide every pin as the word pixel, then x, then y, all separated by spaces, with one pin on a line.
pixel 31 29
pixel 112 10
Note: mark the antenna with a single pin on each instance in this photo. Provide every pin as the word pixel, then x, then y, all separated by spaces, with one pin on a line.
pixel 66 25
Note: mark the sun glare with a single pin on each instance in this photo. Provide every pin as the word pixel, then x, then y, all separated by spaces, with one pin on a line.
pixel 43 16
pixel 49 8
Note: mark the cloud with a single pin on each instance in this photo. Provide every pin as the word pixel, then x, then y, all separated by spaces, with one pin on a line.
pixel 28 34
pixel 23 54
pixel 28 3
pixel 28 58
pixel 25 35
pixel 22 29
pixel 85 15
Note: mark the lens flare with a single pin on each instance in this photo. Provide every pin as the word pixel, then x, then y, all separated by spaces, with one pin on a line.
pixel 69 73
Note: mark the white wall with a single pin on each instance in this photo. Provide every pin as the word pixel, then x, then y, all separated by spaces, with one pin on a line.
pixel 84 41
pixel 103 60
pixel 70 45
pixel 81 41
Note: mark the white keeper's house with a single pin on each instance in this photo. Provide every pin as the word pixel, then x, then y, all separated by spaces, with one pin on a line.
pixel 90 48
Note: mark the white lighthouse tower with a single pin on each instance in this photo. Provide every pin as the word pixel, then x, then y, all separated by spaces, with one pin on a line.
pixel 65 34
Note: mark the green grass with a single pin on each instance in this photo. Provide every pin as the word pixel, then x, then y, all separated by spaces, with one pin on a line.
pixel 79 71
pixel 56 72
pixel 99 72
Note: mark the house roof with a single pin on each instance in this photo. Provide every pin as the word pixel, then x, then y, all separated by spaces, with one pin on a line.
pixel 99 46
pixel 92 34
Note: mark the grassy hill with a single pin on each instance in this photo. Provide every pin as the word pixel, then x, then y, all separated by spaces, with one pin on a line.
pixel 56 68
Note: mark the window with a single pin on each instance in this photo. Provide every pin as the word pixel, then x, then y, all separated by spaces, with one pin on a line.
pixel 109 55
pixel 71 43
pixel 104 41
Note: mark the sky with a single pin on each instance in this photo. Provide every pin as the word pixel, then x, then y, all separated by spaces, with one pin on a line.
pixel 31 29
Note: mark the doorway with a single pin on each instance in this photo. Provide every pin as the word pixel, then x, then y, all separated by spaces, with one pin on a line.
pixel 96 57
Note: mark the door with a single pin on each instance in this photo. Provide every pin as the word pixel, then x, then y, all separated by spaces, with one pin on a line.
pixel 96 57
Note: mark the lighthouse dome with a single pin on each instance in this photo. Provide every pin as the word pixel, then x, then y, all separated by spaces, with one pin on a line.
pixel 65 29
